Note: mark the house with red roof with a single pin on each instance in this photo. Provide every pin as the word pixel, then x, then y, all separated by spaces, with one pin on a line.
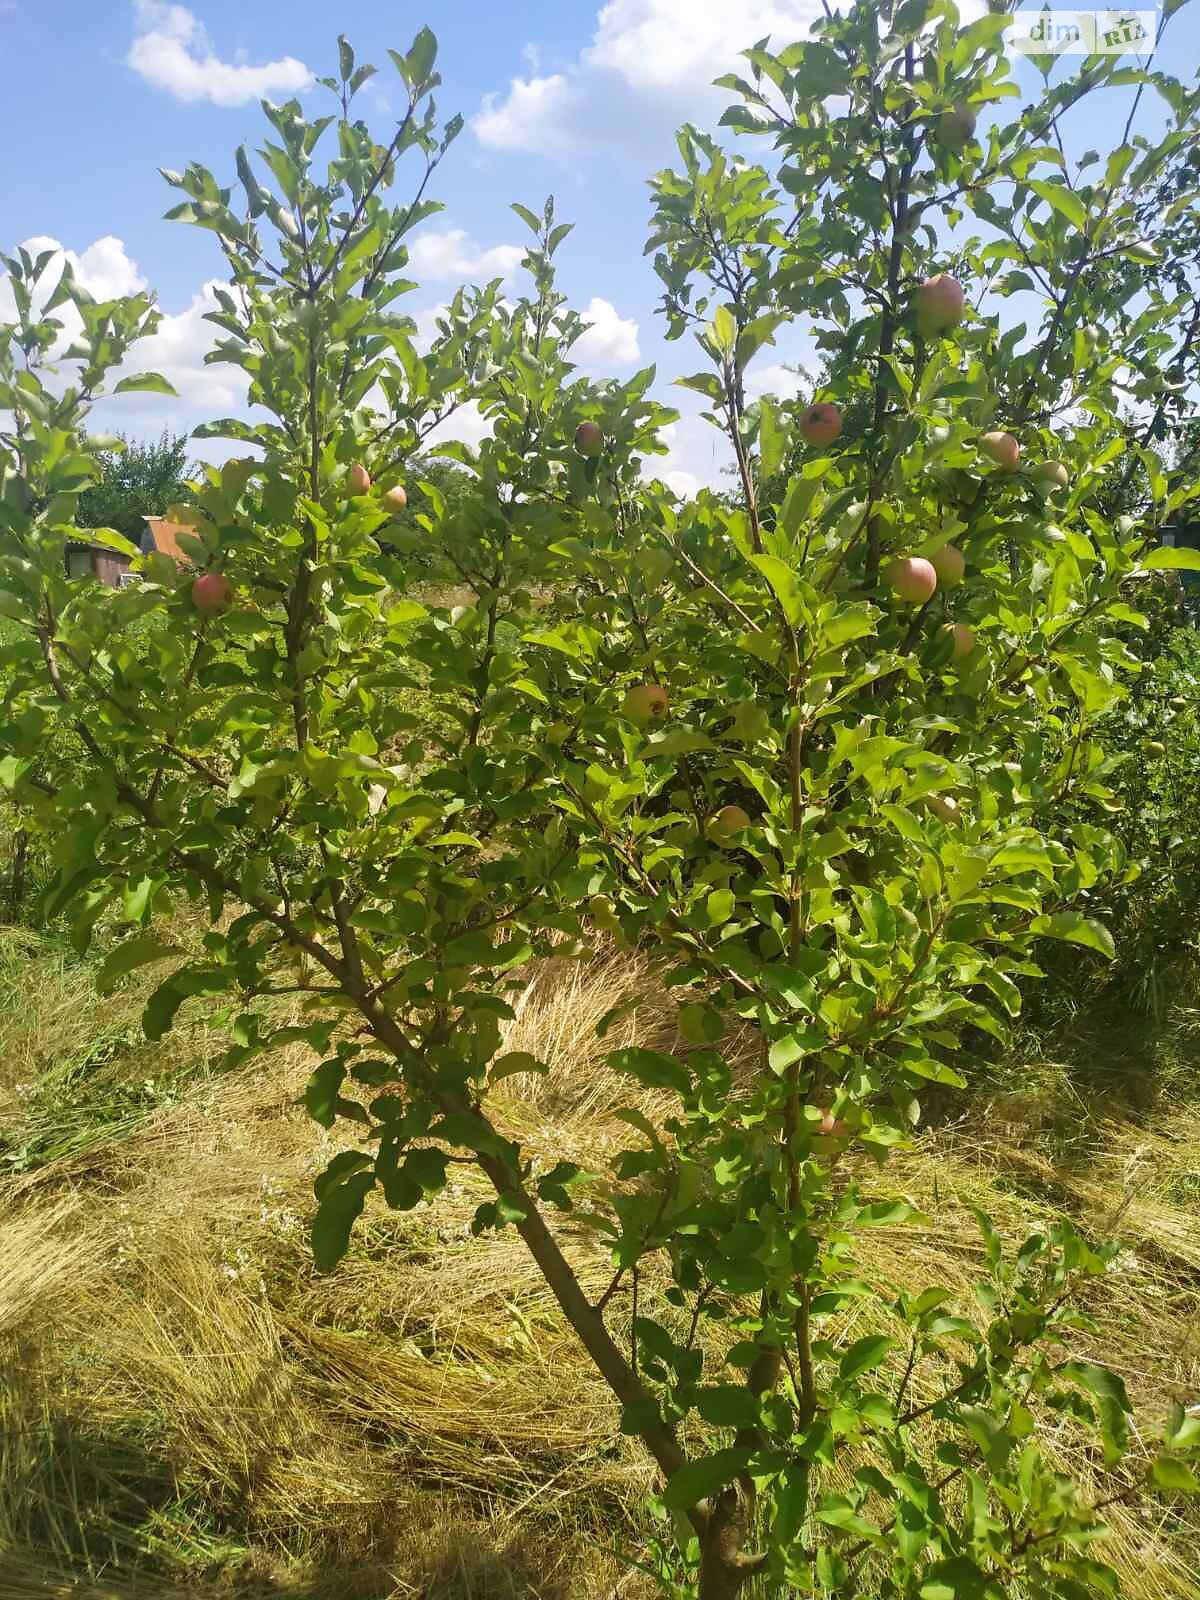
pixel 110 567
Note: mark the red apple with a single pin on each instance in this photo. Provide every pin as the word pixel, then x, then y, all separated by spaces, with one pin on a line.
pixel 1053 474
pixel 949 564
pixel 962 638
pixel 912 578
pixel 831 1126
pixel 395 499
pixel 940 303
pixel 1001 448
pixel 589 438
pixel 358 479
pixel 821 423
pixel 728 822
pixel 645 704
pixel 211 593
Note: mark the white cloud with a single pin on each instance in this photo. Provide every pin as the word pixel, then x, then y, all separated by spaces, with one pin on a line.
pixel 451 254
pixel 666 44
pixel 697 457
pixel 649 61
pixel 103 269
pixel 427 327
pixel 171 51
pixel 535 112
pixel 685 484
pixel 467 424
pixel 610 337
pixel 177 349
pixel 776 380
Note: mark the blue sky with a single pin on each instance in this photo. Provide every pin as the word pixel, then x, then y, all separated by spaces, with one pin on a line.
pixel 575 97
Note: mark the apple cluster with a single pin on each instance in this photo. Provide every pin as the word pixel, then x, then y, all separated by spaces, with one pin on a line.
pixel 212 592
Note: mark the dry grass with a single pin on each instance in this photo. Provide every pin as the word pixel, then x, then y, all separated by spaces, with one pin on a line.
pixel 186 1408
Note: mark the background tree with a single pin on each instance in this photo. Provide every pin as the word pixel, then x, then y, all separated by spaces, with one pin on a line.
pixel 136 480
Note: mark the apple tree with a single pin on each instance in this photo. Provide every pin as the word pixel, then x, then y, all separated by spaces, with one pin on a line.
pixel 826 756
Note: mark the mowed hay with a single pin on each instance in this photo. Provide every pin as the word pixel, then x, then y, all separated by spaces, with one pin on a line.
pixel 185 1406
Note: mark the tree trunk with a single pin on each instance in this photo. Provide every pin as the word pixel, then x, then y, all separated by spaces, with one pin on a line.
pixel 724 1568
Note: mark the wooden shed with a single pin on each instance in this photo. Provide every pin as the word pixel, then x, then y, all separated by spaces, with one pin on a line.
pixel 110 567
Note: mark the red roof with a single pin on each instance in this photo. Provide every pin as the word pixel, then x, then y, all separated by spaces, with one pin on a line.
pixel 166 536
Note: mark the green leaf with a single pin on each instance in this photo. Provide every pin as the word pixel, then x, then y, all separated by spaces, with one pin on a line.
pixel 13 769
pixel 696 1480
pixel 533 222
pixel 864 1354
pixel 140 951
pixel 640 1416
pixel 795 1044
pixel 885 1213
pixel 421 57
pixel 1108 1390
pixel 427 1168
pixel 727 1405
pixel 652 1068
pixel 110 539
pixel 784 584
pixel 791 1502
pixel 722 330
pixel 757 333
pixel 934 1071
pixel 321 1092
pixel 1169 1473
pixel 1183 1429
pixel 1065 201
pixel 1074 927
pixel 159 1016
pixel 1172 558
pixel 138 896
pixel 720 906
pixel 992 1244
pixel 515 1061
pixel 340 1208
pixel 956 1579
pixel 705 383
pixel 851 621
pixel 772 439
pixel 674 744
pixel 146 383
pixel 474 949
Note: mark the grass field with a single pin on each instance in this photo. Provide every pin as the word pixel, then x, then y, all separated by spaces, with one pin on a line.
pixel 186 1408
